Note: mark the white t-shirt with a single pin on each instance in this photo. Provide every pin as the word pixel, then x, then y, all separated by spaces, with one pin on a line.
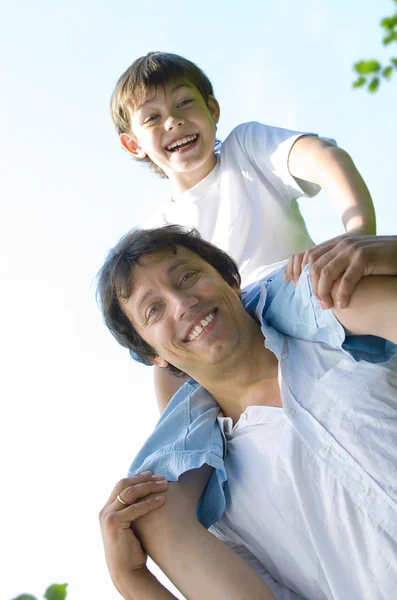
pixel 247 204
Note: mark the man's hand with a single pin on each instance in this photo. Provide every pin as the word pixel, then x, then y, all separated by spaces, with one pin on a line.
pixel 349 256
pixel 131 498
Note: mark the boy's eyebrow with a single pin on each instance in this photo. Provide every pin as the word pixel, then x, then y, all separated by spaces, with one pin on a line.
pixel 174 89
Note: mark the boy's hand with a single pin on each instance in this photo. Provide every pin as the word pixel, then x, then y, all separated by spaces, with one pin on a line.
pixel 131 498
pixel 351 256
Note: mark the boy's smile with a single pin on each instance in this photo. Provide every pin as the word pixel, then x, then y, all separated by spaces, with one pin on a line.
pixel 176 129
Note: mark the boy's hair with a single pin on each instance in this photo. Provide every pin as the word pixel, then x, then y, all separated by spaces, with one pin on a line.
pixel 115 279
pixel 148 72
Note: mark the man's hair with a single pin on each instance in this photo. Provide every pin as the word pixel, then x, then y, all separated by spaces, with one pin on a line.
pixel 147 73
pixel 115 279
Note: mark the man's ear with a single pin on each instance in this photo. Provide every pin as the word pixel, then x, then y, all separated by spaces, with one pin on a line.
pixel 214 108
pixel 159 362
pixel 237 289
pixel 132 146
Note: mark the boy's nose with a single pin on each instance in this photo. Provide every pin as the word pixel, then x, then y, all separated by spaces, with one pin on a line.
pixel 173 121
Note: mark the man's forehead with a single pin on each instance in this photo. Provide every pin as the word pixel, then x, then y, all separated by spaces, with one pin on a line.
pixel 167 259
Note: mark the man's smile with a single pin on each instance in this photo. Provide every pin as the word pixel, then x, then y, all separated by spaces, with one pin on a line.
pixel 201 324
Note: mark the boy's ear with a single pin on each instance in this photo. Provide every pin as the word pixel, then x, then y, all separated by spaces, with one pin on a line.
pixel 214 108
pixel 131 145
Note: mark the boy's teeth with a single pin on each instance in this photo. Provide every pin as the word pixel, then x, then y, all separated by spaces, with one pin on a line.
pixel 181 142
pixel 199 328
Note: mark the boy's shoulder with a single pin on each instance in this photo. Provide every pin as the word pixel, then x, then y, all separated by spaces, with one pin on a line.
pixel 248 135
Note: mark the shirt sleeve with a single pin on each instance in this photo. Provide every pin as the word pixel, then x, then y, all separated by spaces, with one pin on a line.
pixel 186 437
pixel 296 312
pixel 268 149
pixel 279 591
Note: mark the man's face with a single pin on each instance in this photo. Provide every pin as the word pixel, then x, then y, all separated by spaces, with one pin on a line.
pixel 176 129
pixel 186 311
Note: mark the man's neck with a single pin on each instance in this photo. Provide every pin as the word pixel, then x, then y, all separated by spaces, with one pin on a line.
pixel 250 379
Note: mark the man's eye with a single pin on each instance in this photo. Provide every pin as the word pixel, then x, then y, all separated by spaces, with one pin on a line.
pixel 152 312
pixel 186 277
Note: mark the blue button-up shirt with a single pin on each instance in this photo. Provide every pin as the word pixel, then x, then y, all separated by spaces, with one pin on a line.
pixel 339 399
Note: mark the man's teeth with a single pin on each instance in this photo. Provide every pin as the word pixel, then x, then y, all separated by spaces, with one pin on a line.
pixel 201 326
pixel 182 142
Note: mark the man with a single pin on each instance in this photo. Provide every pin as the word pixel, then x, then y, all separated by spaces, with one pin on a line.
pixel 308 421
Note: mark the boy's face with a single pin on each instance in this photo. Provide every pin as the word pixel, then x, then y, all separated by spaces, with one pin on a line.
pixel 186 311
pixel 176 129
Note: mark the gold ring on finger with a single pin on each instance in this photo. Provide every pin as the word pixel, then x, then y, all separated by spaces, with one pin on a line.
pixel 121 500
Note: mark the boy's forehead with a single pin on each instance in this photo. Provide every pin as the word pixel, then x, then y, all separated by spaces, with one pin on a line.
pixel 157 91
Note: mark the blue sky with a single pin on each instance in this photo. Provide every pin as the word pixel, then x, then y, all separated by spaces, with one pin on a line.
pixel 75 410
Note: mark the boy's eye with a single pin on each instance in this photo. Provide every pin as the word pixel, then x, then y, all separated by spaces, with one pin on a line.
pixel 149 119
pixel 184 102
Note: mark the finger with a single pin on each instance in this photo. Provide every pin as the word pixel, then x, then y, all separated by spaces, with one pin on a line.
pixel 305 260
pixel 134 479
pixel 347 284
pixel 134 493
pixel 138 509
pixel 288 270
pixel 323 270
pixel 329 274
pixel 297 266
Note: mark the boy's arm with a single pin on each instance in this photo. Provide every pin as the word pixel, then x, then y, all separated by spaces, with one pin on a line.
pixel 373 306
pixel 372 309
pixel 313 159
pixel 166 385
pixel 197 563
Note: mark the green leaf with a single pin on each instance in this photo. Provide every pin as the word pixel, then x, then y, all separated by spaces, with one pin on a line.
pixel 366 67
pixel 391 37
pixel 387 72
pixel 57 591
pixel 25 597
pixel 388 23
pixel 373 85
pixel 359 82
pixel 394 60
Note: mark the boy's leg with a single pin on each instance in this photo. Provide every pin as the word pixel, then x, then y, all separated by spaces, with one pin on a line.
pixel 197 563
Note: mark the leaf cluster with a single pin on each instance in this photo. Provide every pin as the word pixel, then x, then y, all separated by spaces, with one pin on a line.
pixel 371 72
pixel 56 591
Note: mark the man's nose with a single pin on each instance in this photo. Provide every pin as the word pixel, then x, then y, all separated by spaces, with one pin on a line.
pixel 182 304
pixel 173 121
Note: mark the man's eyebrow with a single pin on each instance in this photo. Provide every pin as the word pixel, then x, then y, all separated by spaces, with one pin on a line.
pixel 178 263
pixel 170 270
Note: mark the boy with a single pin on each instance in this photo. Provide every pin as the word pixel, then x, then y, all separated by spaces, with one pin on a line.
pixel 244 198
